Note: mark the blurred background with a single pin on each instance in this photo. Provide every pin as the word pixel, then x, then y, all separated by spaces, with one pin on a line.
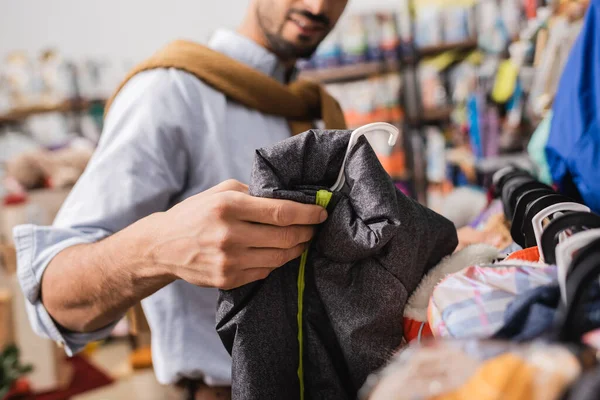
pixel 468 82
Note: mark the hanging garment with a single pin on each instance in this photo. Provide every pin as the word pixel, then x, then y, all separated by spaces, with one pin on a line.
pixel 416 326
pixel 340 306
pixel 300 102
pixel 531 314
pixel 475 370
pixel 471 303
pixel 514 377
pixel 501 369
pixel 574 141
pixel 537 148
pixel 528 254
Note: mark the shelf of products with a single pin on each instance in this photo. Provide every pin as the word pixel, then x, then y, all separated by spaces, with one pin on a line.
pixel 350 72
pixel 430 116
pixel 367 69
pixel 470 44
pixel 19 114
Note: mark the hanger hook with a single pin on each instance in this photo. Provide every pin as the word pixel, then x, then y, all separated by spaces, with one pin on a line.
pixel 376 126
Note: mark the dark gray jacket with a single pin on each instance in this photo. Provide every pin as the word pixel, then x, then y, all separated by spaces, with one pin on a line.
pixel 362 266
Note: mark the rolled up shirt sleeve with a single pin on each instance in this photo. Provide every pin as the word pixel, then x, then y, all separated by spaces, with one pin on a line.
pixel 138 168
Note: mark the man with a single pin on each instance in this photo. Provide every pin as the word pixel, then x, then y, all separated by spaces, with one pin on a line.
pixel 159 213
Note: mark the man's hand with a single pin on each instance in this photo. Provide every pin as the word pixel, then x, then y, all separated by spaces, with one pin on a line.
pixel 220 238
pixel 226 238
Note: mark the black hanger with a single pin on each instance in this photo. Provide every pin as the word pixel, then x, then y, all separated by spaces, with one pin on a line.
pixel 503 175
pixel 507 190
pixel 524 188
pixel 574 219
pixel 521 197
pixel 585 270
pixel 535 207
pixel 526 197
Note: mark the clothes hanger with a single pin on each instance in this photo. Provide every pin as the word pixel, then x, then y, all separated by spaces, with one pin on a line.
pixel 586 268
pixel 565 252
pixel 501 176
pixel 525 195
pixel 537 221
pixel 534 208
pixel 508 189
pixel 524 188
pixel 376 126
pixel 579 219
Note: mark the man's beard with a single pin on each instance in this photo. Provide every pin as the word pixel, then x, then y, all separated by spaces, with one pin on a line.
pixel 281 47
pixel 286 50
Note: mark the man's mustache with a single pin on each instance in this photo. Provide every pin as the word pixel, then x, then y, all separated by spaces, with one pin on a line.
pixel 319 18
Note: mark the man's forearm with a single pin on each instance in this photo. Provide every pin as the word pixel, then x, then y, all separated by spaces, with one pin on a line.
pixel 88 286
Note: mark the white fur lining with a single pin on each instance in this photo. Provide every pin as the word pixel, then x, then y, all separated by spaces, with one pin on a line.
pixel 476 254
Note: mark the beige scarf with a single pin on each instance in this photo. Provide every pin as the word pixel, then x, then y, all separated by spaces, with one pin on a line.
pixel 301 102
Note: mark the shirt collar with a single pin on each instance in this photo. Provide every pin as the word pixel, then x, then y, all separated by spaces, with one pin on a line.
pixel 245 50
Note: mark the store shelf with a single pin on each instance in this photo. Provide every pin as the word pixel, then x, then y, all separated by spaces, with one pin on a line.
pixel 437 114
pixel 19 114
pixel 364 70
pixel 460 46
pixel 429 51
pixel 430 116
pixel 492 164
pixel 349 72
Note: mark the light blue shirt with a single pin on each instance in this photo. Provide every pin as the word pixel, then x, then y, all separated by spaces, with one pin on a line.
pixel 167 137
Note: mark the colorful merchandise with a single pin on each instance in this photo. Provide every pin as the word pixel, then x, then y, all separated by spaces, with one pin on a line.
pixel 374 34
pixel 493 34
pixel 532 314
pixel 457 22
pixel 476 370
pixel 329 52
pixel 471 303
pixel 353 41
pixel 433 93
pixel 436 155
pixel 390 39
pixel 428 23
pixel 536 149
pixel 416 326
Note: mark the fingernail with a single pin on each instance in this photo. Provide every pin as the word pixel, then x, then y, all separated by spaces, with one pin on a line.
pixel 323 215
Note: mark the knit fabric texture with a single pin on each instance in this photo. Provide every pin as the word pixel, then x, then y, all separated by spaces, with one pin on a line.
pixel 362 266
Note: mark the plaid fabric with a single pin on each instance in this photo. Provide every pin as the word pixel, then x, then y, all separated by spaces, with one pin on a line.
pixel 471 303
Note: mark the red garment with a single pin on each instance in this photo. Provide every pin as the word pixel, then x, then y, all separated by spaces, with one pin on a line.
pixel 528 254
pixel 412 328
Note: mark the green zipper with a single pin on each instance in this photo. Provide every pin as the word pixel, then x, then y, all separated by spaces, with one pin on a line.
pixel 323 198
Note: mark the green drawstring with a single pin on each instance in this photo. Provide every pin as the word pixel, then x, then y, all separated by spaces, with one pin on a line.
pixel 323 198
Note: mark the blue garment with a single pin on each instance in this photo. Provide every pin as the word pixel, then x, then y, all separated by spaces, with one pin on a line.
pixel 573 148
pixel 533 313
pixel 537 148
pixel 167 137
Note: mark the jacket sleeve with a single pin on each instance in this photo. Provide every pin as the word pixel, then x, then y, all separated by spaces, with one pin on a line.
pixel 139 166
pixel 574 141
